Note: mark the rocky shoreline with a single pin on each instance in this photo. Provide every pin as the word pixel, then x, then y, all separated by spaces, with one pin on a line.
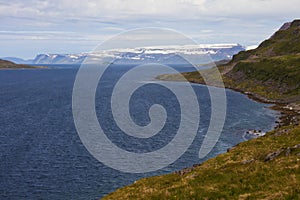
pixel 290 112
pixel 289 116
pixel 263 168
pixel 22 68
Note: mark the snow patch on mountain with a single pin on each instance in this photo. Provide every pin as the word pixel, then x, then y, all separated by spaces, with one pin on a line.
pixel 173 54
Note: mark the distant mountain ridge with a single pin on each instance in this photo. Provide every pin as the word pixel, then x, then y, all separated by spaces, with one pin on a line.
pixel 5 64
pixel 18 60
pixel 160 54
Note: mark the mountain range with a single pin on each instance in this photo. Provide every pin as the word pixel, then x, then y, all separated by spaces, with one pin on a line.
pixel 160 54
pixel 270 72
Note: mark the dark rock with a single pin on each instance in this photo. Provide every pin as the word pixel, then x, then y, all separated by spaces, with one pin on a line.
pixel 285 26
pixel 183 171
pixel 230 149
pixel 196 165
pixel 273 155
pixel 186 170
pixel 281 132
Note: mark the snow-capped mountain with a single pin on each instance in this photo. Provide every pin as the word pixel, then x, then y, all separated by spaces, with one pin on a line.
pixel 160 54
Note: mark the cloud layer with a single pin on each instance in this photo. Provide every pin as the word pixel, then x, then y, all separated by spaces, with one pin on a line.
pixel 65 22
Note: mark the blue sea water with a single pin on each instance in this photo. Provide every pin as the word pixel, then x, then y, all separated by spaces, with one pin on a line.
pixel 42 156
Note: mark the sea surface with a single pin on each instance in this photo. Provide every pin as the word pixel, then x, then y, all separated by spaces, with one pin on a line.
pixel 42 156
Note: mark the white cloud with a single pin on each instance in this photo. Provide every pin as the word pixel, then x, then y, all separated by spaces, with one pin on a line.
pixel 50 36
pixel 130 9
pixel 253 7
pixel 244 21
pixel 109 9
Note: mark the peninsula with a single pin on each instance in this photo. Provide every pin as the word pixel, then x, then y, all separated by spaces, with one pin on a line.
pixel 4 64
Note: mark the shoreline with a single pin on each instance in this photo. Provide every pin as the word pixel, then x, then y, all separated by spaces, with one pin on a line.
pixel 289 115
pixel 23 68
pixel 286 117
pixel 288 121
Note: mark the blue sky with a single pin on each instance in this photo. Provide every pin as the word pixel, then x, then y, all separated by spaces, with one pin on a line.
pixel 30 27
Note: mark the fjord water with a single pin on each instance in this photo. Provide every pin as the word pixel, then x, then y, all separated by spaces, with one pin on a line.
pixel 42 156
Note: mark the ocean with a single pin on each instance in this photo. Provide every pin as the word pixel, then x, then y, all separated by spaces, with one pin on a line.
pixel 42 156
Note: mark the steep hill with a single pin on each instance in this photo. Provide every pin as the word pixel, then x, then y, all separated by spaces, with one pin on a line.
pixel 271 72
pixel 274 66
pixel 264 168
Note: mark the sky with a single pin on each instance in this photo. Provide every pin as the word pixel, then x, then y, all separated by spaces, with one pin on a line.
pixel 31 27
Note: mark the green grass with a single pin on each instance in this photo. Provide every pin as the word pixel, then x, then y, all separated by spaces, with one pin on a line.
pixel 283 70
pixel 270 72
pixel 228 176
pixel 275 78
pixel 283 42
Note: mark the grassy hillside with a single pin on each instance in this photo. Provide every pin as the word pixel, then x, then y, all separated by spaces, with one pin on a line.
pixel 262 168
pixel 272 71
pixel 251 170
pixel 285 41
pixel 278 77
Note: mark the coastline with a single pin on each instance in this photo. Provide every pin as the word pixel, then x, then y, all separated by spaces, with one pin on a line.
pixel 284 118
pixel 289 115
pixel 24 68
pixel 287 123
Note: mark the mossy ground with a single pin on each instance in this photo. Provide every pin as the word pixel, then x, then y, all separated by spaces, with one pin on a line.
pixel 242 173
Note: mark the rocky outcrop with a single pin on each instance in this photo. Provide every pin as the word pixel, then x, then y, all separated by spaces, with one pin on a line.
pixel 287 151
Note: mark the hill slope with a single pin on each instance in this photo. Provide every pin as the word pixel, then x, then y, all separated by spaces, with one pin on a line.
pixel 4 64
pixel 264 168
pixel 274 65
pixel 270 72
